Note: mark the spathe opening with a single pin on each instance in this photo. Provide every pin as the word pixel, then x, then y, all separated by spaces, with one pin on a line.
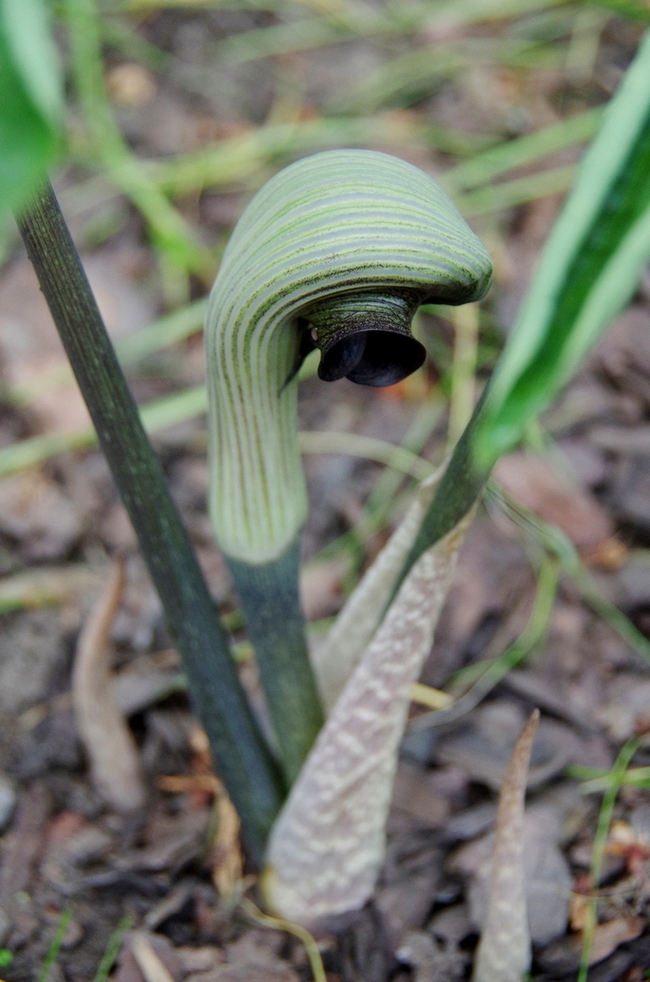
pixel 372 357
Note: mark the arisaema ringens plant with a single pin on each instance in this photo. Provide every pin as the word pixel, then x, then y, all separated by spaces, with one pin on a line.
pixel 337 252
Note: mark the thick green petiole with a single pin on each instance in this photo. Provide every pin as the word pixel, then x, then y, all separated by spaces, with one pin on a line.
pixel 277 630
pixel 459 488
pixel 241 755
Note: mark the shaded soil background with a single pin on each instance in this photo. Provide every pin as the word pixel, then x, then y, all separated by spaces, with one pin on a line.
pixel 265 84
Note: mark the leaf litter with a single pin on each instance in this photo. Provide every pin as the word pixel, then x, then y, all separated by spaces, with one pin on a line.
pixel 174 868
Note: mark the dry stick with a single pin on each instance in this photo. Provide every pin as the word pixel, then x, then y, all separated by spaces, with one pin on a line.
pixel 149 963
pixel 503 953
pixel 109 743
pixel 280 924
pixel 241 754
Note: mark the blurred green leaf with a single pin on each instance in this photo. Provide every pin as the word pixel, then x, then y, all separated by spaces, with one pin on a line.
pixel 31 98
pixel 589 268
pixel 25 24
pixel 633 9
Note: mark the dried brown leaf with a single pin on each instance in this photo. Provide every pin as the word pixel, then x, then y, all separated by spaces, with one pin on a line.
pixel 113 755
pixel 608 936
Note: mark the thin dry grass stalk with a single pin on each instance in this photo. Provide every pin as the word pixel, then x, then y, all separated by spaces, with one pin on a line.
pixel 503 953
pixel 108 741
pixel 150 965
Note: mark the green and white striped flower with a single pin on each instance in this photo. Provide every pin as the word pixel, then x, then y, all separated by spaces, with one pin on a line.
pixel 345 244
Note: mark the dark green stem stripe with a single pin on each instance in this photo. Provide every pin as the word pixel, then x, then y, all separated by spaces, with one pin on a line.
pixel 276 628
pixel 241 755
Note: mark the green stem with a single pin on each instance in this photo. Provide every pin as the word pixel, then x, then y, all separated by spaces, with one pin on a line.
pixel 241 755
pixel 276 628
pixel 459 487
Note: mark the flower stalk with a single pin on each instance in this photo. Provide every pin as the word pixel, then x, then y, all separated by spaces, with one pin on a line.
pixel 336 251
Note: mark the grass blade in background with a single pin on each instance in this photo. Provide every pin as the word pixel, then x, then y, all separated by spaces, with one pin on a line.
pixel 589 268
pixel 176 240
pixel 31 88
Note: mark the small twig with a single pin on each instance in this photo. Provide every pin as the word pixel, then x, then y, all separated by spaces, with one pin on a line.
pixel 279 924
pixel 147 960
pixel 426 695
pixel 109 743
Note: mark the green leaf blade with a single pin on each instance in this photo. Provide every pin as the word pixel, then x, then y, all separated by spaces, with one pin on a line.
pixel 31 99
pixel 26 27
pixel 588 270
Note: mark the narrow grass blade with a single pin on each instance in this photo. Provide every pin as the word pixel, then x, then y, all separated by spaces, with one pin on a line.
pixel 617 777
pixel 507 194
pixel 235 160
pixel 530 639
pixel 555 542
pixel 145 341
pixel 369 448
pixel 171 232
pixel 190 403
pixel 112 949
pixel 55 947
pixel 496 161
pixel 168 411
